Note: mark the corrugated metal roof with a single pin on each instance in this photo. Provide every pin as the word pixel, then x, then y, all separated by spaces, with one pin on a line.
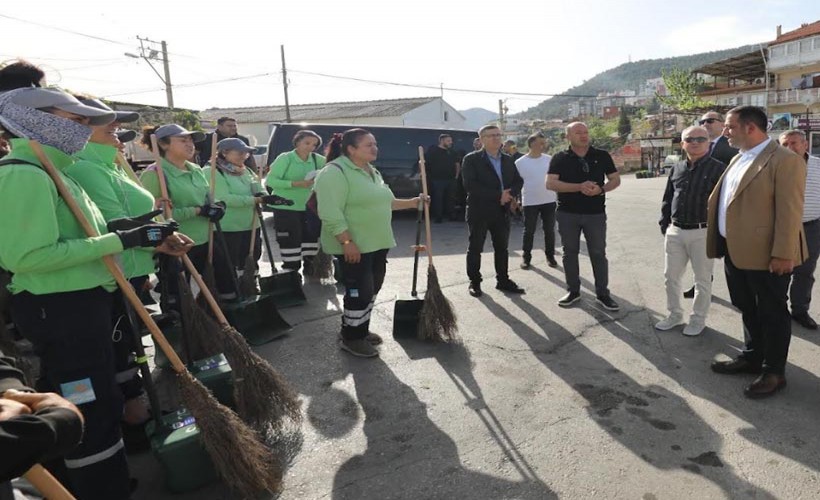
pixel 801 32
pixel 321 111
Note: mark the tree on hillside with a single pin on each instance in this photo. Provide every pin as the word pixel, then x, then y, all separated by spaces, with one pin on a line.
pixel 682 87
pixel 624 124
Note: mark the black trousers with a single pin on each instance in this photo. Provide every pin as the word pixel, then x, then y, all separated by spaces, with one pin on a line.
pixel 762 299
pixel 362 283
pixel 123 338
pixel 171 266
pixel 71 333
pixel 547 214
pixel 297 233
pixel 239 243
pixel 498 225
pixel 441 194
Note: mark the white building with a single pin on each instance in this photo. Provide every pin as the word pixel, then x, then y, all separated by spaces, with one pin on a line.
pixel 256 122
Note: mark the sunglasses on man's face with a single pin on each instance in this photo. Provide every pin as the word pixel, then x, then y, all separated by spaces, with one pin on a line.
pixel 698 140
pixel 708 120
pixel 584 165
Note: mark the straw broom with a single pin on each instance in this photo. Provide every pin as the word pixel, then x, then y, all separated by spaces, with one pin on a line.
pixel 248 468
pixel 261 393
pixel 437 320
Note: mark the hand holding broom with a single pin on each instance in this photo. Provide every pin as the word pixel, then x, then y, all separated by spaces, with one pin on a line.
pixel 249 469
pixel 438 320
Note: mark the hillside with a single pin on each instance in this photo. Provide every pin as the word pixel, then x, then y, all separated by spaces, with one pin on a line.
pixel 628 76
pixel 477 117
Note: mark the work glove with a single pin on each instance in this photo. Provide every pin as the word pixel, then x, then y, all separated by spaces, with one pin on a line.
pixel 149 235
pixel 125 223
pixel 272 199
pixel 213 211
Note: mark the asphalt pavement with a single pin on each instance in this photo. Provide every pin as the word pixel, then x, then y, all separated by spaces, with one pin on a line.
pixel 538 401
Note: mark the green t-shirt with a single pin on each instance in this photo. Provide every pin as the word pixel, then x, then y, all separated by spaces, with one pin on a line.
pixel 237 192
pixel 351 200
pixel 117 196
pixel 42 243
pixel 287 168
pixel 188 190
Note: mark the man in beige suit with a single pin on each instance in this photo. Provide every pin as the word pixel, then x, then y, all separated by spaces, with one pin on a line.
pixel 755 222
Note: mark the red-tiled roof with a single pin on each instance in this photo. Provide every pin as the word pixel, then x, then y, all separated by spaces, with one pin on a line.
pixel 803 31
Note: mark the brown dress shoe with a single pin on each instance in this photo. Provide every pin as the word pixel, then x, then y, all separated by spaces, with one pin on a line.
pixel 735 366
pixel 764 386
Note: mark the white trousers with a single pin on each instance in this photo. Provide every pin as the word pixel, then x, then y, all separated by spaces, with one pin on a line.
pixel 682 246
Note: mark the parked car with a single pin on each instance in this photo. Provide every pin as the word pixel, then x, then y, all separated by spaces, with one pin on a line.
pixel 398 148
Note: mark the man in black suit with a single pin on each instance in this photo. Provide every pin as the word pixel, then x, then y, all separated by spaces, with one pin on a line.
pixel 492 182
pixel 225 128
pixel 719 149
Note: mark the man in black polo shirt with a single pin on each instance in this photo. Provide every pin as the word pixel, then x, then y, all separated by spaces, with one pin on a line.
pixel 578 176
pixel 442 165
pixel 225 128
pixel 683 223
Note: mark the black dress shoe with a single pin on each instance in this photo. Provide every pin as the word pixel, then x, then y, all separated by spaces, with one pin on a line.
pixel 764 386
pixel 735 366
pixel 689 294
pixel 569 299
pixel 804 320
pixel 509 286
pixel 551 261
pixel 475 289
pixel 525 264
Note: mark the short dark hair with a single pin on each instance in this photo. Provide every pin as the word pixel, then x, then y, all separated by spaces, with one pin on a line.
pixel 509 142
pixel 486 128
pixel 534 137
pixel 441 137
pixel 751 114
pixel 303 134
pixel 225 119
pixel 19 74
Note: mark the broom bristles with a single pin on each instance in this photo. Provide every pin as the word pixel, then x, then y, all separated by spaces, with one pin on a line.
pixel 239 458
pixel 201 330
pixel 322 266
pixel 247 282
pixel 262 394
pixel 437 321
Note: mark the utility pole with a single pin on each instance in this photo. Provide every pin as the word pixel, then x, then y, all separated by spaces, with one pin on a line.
pixel 151 54
pixel 501 115
pixel 285 84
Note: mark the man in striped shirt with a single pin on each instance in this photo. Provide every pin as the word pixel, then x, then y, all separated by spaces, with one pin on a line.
pixel 803 275
pixel 683 223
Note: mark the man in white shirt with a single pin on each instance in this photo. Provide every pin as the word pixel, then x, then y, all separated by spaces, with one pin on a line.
pixel 803 275
pixel 537 199
pixel 754 223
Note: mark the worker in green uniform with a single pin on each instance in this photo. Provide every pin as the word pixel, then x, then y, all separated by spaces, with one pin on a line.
pixel 240 189
pixel 189 191
pixel 291 176
pixel 61 289
pixel 356 207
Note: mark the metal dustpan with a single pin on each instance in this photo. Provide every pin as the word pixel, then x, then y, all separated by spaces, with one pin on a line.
pixel 256 318
pixel 406 312
pixel 285 287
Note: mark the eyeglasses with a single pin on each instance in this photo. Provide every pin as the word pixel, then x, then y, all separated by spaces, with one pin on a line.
pixel 708 120
pixel 584 165
pixel 699 140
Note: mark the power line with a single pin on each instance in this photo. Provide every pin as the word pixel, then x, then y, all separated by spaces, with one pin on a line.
pixel 193 84
pixel 57 28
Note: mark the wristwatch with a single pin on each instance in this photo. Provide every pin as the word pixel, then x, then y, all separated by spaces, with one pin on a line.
pixel 346 242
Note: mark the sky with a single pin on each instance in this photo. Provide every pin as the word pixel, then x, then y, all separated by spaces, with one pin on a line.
pixel 226 54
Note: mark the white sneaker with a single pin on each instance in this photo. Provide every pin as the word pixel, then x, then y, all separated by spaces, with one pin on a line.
pixel 694 328
pixel 669 323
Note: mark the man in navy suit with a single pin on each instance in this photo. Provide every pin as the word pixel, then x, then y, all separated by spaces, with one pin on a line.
pixel 492 182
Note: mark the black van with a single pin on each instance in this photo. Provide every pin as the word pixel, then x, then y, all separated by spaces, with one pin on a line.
pixel 398 148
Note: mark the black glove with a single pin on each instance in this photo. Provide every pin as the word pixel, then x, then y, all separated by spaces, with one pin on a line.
pixel 272 199
pixel 149 235
pixel 213 211
pixel 126 223
pixel 663 228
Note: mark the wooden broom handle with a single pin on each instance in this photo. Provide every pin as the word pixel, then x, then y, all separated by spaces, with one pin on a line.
pixel 47 484
pixel 211 198
pixel 255 216
pixel 203 288
pixel 126 167
pixel 112 266
pixel 423 170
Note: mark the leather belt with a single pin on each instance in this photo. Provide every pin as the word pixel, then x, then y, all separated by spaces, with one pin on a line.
pixel 696 225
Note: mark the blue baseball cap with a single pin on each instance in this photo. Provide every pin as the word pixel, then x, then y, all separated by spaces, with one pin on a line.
pixel 174 130
pixel 234 144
